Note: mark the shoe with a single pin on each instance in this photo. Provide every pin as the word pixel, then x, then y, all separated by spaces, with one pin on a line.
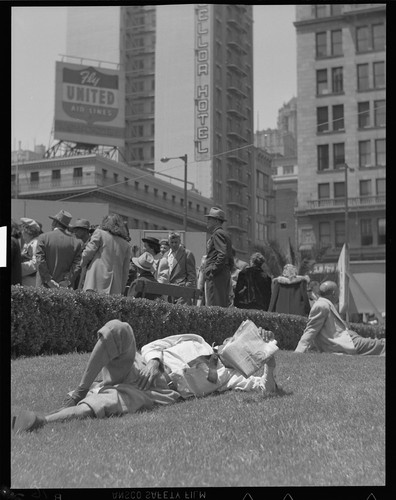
pixel 268 381
pixel 27 421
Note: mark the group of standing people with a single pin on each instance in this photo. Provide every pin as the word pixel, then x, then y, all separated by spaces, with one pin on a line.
pixel 79 256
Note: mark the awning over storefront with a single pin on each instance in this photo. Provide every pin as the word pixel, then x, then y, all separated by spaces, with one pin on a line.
pixel 367 287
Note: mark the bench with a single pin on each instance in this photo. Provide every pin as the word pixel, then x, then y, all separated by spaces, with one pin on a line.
pixel 174 291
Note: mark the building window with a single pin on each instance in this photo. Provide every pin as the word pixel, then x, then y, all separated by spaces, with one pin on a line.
pixel 339 231
pixel 155 192
pixel 364 154
pixel 379 74
pixel 379 113
pixel 320 10
pixel 336 9
pixel 362 77
pixel 115 177
pixel 55 175
pixel 321 82
pixel 381 231
pixel 363 114
pixel 338 117
pixel 366 232
pixel 365 187
pixel 380 152
pixel 173 198
pixel 362 39
pixel 288 169
pixel 34 177
pixel 77 172
pixel 337 80
pixel 323 157
pixel 324 191
pixel 380 186
pixel 336 43
pixel 324 234
pixel 136 185
pixel 338 155
pixel 378 36
pixel 146 188
pixel 164 195
pixel 322 119
pixel 321 44
pixel 339 191
pixel 104 173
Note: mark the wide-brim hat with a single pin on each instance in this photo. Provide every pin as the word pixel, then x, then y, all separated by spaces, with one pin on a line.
pixel 30 223
pixel 81 223
pixel 164 241
pixel 62 217
pixel 216 213
pixel 144 261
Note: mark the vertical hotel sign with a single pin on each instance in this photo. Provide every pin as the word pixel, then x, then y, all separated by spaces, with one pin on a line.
pixel 202 82
pixel 89 105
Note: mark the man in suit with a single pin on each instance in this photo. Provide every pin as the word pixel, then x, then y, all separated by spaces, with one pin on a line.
pixel 219 261
pixel 327 331
pixel 58 254
pixel 181 267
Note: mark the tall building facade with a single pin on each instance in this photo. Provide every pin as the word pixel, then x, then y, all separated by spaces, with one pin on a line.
pixel 341 99
pixel 189 91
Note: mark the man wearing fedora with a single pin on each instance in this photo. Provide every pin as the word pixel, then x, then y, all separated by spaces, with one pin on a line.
pixel 81 230
pixel 145 266
pixel 58 254
pixel 219 261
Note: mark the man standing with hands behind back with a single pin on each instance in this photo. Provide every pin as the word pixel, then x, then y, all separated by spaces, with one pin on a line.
pixel 58 254
pixel 219 261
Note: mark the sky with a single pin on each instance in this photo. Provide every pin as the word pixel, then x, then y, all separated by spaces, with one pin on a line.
pixel 33 68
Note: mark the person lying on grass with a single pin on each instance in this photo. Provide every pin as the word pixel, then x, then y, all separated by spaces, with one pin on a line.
pixel 329 333
pixel 133 381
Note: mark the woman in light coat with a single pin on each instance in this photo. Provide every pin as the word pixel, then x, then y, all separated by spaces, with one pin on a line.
pixel 30 231
pixel 107 256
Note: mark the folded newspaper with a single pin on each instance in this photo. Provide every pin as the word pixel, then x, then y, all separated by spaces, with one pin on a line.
pixel 246 351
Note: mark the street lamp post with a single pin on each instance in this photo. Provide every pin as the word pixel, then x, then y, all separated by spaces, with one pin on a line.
pixel 184 158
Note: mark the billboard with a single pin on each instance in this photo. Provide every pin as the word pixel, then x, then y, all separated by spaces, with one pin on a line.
pixel 89 105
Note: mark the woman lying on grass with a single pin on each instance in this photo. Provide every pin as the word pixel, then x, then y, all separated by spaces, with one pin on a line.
pixel 179 366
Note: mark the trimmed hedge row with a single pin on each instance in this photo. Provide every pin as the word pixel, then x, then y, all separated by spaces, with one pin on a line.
pixel 45 321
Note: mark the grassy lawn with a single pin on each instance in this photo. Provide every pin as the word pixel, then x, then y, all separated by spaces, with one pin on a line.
pixel 326 429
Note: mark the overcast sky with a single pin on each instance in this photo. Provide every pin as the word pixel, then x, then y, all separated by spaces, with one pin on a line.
pixel 39 36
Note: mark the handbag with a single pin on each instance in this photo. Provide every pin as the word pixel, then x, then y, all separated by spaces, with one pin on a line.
pixel 246 351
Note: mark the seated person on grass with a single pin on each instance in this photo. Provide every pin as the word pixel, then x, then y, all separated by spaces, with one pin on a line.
pixel 132 381
pixel 327 332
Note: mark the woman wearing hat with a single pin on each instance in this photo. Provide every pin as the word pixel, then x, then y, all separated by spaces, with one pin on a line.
pixel 144 265
pixel 152 246
pixel 107 256
pixel 30 231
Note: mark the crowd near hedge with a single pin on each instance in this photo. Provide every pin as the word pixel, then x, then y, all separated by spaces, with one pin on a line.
pixel 46 321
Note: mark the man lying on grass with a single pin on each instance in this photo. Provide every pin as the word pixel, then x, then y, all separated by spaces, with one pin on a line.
pixel 166 370
pixel 327 331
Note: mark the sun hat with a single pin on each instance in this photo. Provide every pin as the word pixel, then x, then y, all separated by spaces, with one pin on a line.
pixel 30 223
pixel 82 223
pixel 216 213
pixel 62 217
pixel 144 261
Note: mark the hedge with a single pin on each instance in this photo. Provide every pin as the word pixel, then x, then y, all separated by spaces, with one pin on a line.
pixel 45 321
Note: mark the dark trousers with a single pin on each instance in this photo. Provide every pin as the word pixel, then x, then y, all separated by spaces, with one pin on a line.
pixel 217 290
